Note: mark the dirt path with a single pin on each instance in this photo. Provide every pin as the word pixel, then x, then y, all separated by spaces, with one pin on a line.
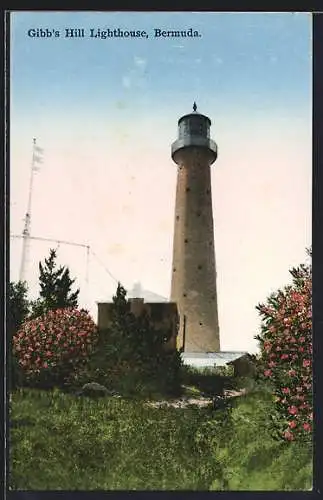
pixel 186 401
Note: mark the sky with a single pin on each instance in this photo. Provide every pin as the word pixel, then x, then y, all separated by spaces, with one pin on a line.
pixel 105 112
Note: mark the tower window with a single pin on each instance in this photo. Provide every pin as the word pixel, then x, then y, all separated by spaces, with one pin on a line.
pixel 187 189
pixel 174 269
pixel 184 295
pixel 198 213
pixel 177 217
pixel 199 267
pixel 186 240
pixel 208 191
pixel 200 323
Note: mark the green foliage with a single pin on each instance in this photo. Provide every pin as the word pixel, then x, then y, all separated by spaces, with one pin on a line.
pixel 209 381
pixel 18 306
pixel 59 442
pixel 131 358
pixel 286 354
pixel 18 310
pixel 55 287
pixel 50 348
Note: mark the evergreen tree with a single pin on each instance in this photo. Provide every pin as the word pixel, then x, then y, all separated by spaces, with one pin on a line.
pixel 55 287
pixel 18 306
pixel 123 325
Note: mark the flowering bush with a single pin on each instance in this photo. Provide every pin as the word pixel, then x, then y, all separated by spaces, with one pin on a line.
pixel 53 346
pixel 286 348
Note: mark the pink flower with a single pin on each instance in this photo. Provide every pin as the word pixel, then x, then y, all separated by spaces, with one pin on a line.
pixel 292 410
pixel 292 373
pixel 45 365
pixel 302 339
pixel 288 435
pixel 267 373
pixel 292 424
pixel 284 356
pixel 306 363
pixel 285 390
pixel 306 426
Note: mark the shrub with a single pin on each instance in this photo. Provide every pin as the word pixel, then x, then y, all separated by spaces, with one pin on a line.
pixel 210 381
pixel 286 347
pixel 52 347
pixel 18 310
pixel 18 306
pixel 130 356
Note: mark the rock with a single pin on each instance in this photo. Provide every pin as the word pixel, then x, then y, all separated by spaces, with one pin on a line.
pixel 92 389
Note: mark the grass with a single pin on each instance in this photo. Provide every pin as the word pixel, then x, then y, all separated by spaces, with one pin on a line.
pixel 252 460
pixel 60 442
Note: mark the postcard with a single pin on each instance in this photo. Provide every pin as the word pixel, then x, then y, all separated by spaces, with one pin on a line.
pixel 159 304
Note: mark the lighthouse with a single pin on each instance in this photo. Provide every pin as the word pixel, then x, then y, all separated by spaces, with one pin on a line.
pixel 193 285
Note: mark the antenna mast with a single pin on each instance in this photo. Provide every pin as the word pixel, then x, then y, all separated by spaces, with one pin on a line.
pixel 26 231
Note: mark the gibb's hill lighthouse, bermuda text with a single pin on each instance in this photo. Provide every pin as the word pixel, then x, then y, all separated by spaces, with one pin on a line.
pixel 110 33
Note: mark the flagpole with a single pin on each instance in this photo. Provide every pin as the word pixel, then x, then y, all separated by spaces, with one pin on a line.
pixel 27 225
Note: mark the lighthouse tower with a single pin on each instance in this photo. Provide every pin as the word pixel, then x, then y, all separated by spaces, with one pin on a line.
pixel 194 272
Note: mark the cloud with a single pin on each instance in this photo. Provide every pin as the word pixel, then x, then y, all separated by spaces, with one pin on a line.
pixel 139 62
pixel 136 74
